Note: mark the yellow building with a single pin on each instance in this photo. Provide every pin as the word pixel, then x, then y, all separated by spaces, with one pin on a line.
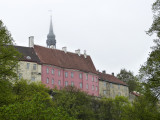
pixel 29 66
pixel 110 86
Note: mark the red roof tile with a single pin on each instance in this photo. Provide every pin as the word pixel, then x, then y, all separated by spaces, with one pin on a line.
pixel 65 60
pixel 110 78
pixel 135 93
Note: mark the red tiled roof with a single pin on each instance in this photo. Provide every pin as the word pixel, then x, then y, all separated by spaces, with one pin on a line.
pixel 65 60
pixel 110 78
pixel 135 93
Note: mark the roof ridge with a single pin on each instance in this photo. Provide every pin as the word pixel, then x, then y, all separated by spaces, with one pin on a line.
pixel 60 50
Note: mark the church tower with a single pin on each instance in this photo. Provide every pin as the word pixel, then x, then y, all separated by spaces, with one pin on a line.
pixel 51 41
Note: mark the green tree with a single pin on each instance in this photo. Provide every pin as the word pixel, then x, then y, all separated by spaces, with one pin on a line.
pixel 155 27
pixel 8 61
pixel 32 102
pixel 113 109
pixel 150 71
pixel 129 78
pixel 143 108
pixel 8 54
pixel 75 102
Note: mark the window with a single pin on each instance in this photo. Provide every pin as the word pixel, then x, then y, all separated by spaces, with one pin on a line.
pixel 66 74
pixel 59 82
pixel 59 73
pixel 47 81
pixel 52 71
pixel 33 78
pixel 92 78
pixel 66 83
pixel 87 86
pixel 72 83
pixel 28 57
pixel 27 65
pixel 52 81
pixel 96 79
pixel 119 94
pixel 111 85
pixel 20 75
pixel 71 74
pixel 80 75
pixel 104 84
pixel 86 76
pixel 80 85
pixel 104 92
pixel 96 88
pixel 92 87
pixel 47 70
pixel 118 86
pixel 34 66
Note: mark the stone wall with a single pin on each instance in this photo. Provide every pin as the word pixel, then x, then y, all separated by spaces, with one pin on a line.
pixel 29 71
pixel 111 90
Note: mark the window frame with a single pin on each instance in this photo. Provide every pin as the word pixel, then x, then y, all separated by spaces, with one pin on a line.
pixel 80 75
pixel 72 74
pixel 28 65
pixel 66 74
pixel 47 70
pixel 47 81
pixel 52 81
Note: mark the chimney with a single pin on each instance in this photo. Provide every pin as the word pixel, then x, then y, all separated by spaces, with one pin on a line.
pixel 104 71
pixel 64 49
pixel 31 41
pixel 78 52
pixel 52 47
pixel 85 54
pixel 113 73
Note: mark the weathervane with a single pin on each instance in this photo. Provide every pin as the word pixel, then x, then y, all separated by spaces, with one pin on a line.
pixel 50 12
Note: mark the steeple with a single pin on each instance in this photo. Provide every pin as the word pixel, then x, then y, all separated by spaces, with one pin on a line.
pixel 51 41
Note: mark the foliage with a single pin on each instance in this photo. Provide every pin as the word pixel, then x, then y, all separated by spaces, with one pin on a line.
pixel 113 109
pixel 8 54
pixel 32 102
pixel 129 78
pixel 150 71
pixel 75 102
pixel 143 108
pixel 155 27
pixel 8 61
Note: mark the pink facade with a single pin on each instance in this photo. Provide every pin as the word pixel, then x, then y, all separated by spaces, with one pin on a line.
pixel 53 76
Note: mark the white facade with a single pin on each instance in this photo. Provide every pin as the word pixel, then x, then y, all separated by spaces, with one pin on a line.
pixel 29 71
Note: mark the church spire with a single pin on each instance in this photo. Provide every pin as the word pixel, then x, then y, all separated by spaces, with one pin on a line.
pixel 51 41
pixel 51 26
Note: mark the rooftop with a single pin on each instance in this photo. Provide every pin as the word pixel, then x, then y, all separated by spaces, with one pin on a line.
pixel 110 78
pixel 63 59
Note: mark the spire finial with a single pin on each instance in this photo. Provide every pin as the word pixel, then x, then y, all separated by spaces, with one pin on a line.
pixel 50 11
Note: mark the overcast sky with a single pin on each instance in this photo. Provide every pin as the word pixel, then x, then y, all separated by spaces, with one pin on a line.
pixel 112 31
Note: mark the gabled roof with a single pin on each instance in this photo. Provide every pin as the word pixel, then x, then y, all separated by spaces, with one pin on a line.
pixel 65 60
pixel 28 54
pixel 110 78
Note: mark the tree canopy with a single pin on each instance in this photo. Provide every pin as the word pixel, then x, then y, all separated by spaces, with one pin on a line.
pixel 129 78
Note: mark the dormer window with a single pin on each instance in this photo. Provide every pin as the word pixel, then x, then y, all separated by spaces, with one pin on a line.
pixel 28 57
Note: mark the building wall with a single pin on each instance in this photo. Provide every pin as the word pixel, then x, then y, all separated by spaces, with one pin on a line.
pixel 80 83
pixel 104 89
pixel 29 71
pixel 118 90
pixel 111 90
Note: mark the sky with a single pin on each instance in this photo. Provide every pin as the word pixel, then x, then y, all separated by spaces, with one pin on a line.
pixel 111 31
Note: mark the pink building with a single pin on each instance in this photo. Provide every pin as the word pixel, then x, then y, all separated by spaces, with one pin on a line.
pixel 61 68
